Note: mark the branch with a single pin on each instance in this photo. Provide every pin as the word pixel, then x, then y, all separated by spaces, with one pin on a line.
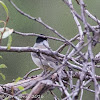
pixel 92 17
pixel 30 49
pixel 38 20
pixel 47 26
pixel 78 16
pixel 34 34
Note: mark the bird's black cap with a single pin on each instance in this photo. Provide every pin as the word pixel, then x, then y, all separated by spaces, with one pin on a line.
pixel 40 39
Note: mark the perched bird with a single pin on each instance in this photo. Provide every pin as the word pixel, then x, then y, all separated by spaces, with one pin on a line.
pixel 44 62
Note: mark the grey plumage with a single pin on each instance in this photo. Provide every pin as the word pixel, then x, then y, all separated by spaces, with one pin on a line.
pixel 41 60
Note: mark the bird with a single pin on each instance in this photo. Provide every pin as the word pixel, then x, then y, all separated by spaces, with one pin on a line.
pixel 45 62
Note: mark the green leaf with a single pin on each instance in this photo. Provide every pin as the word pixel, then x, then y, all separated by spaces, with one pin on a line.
pixel 6 98
pixel 18 79
pixel 7 32
pixel 5 7
pixel 1 57
pixel 3 66
pixel 1 21
pixel 9 42
pixel 3 76
pixel 21 88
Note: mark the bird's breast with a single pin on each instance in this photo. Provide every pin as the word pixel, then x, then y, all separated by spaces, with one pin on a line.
pixel 38 61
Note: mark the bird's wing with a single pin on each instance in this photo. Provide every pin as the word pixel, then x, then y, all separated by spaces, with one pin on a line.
pixel 49 59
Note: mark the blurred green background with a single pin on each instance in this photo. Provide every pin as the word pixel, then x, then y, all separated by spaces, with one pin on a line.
pixel 54 13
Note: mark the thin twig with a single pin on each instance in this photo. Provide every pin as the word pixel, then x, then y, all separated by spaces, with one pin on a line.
pixel 34 34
